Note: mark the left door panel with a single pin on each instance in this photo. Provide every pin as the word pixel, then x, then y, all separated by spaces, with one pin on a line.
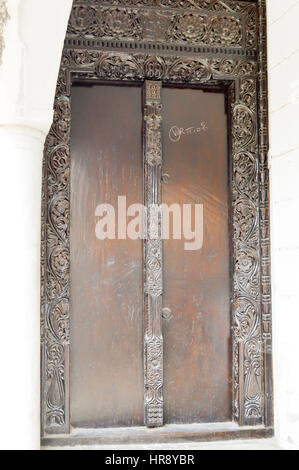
pixel 106 363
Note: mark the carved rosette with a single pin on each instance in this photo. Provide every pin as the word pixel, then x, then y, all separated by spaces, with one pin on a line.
pixel 193 28
pixel 109 23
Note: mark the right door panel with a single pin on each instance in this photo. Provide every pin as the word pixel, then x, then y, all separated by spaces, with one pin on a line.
pixel 197 340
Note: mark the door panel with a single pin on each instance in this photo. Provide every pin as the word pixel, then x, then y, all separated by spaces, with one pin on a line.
pixel 106 363
pixel 197 352
pixel 106 276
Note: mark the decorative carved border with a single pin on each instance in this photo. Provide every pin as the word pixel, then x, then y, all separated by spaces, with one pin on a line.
pixel 264 212
pixel 189 25
pixel 245 79
pixel 153 255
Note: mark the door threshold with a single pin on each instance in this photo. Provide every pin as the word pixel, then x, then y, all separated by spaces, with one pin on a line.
pixel 178 433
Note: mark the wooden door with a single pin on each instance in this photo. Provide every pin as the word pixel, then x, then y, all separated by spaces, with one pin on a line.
pixel 112 375
pixel 106 290
pixel 197 352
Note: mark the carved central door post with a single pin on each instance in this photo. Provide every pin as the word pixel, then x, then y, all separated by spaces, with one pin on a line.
pixel 153 289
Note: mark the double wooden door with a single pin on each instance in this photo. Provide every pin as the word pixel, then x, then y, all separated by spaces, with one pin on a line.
pixel 151 322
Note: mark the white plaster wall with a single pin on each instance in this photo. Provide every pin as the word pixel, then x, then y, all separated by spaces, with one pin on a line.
pixel 19 278
pixel 34 36
pixel 283 58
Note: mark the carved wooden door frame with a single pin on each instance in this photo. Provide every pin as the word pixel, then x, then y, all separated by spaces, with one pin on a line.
pixel 201 43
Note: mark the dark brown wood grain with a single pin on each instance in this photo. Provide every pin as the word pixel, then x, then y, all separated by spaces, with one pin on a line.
pixel 106 288
pixel 197 382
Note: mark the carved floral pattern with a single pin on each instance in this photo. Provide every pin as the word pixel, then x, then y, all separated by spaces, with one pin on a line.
pixel 246 315
pixel 189 27
pixel 153 381
pixel 117 23
pixel 251 27
pixel 113 23
pixel 226 31
pixel 56 253
pixel 244 126
pixel 59 321
pixel 123 66
pixel 197 29
pixel 83 20
pixel 55 414
pixel 119 19
pixel 251 325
